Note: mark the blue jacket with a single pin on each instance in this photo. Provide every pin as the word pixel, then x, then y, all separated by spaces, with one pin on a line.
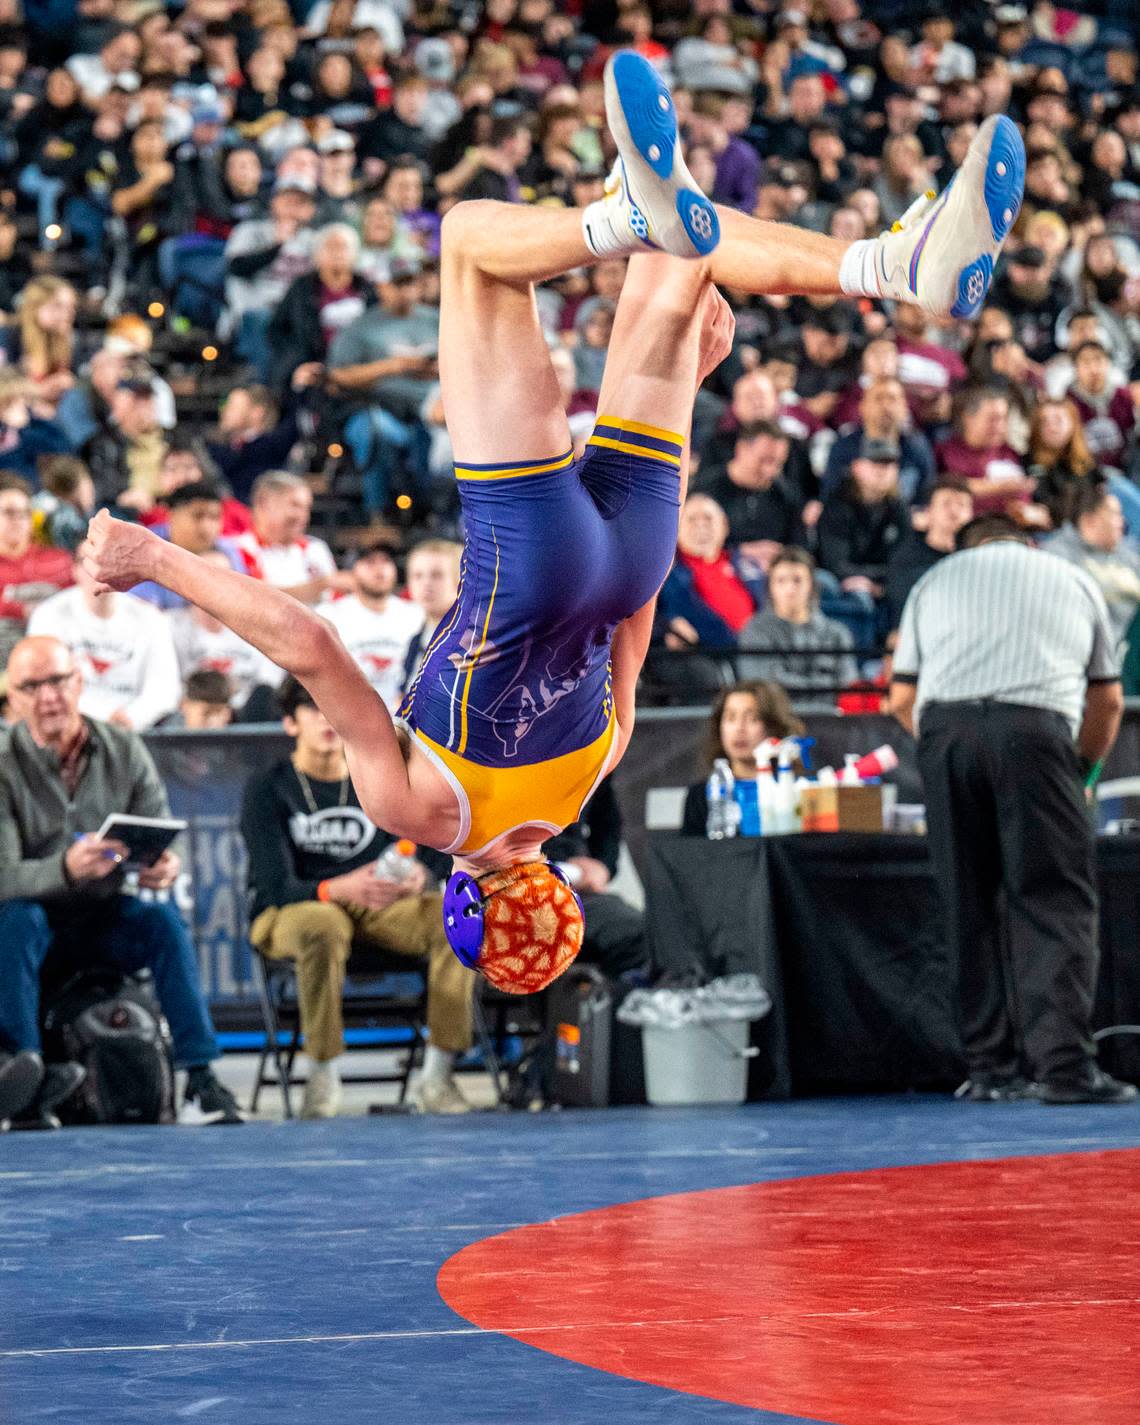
pixel 916 463
pixel 37 438
pixel 679 599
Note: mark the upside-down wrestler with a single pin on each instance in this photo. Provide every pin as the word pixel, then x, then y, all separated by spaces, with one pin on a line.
pixel 525 699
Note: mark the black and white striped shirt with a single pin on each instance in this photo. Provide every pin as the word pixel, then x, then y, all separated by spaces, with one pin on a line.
pixel 1009 623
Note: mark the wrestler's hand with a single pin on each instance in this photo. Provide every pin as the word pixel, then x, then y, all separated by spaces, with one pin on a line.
pixel 717 331
pixel 118 555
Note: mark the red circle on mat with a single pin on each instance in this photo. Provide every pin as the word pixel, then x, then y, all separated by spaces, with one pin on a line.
pixel 1006 1292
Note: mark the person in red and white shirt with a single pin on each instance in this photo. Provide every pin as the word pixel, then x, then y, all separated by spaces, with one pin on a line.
pixel 278 549
pixel 29 573
pixel 122 645
pixel 376 628
pixel 203 643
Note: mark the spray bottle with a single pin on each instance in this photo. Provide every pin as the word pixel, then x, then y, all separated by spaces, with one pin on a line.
pixel 766 783
pixel 786 808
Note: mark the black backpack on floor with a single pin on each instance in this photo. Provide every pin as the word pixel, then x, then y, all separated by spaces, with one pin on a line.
pixel 111 1023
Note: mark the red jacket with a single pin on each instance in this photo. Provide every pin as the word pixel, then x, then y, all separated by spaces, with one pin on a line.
pixel 37 566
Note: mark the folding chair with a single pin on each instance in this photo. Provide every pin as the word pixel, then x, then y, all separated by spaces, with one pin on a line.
pixel 379 998
pixel 376 997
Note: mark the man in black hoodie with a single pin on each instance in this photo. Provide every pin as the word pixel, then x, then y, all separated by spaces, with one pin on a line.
pixel 951 506
pixel 863 521
pixel 1034 295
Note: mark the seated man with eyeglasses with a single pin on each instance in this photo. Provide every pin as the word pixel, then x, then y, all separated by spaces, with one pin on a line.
pixel 61 886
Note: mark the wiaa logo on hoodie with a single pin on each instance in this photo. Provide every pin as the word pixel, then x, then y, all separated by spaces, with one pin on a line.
pixel 339 832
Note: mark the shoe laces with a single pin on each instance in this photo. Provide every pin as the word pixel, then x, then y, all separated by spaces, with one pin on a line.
pixel 917 211
pixel 615 179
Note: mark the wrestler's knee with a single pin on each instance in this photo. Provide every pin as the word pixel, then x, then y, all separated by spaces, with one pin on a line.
pixel 466 227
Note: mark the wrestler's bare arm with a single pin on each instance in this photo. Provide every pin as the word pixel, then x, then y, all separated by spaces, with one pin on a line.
pixel 120 555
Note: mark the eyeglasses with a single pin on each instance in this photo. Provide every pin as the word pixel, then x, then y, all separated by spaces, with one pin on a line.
pixel 57 682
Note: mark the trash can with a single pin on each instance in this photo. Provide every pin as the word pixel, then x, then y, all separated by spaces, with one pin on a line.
pixel 695 1042
pixel 697 1063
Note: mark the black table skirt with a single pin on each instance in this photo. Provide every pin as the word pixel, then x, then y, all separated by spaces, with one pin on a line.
pixel 845 932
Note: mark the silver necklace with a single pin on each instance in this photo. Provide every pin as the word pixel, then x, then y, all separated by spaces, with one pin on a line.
pixel 342 800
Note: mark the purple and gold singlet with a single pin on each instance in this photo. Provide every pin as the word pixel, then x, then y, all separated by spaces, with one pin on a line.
pixel 513 701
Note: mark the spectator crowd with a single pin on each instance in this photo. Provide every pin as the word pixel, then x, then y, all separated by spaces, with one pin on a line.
pixel 219 308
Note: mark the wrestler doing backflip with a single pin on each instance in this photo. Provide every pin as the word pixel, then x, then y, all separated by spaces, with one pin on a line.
pixel 525 698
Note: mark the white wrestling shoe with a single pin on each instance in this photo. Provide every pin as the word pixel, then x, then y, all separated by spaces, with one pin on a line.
pixel 652 201
pixel 940 255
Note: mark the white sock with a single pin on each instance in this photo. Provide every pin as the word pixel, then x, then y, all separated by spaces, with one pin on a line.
pixel 437 1062
pixel 859 272
pixel 325 1068
pixel 606 228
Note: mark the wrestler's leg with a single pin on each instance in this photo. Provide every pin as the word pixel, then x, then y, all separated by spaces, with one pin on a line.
pixel 660 346
pixel 500 394
pixel 499 391
pixel 941 254
pixel 774 259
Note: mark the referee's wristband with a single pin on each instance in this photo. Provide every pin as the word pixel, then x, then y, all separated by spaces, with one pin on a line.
pixel 322 890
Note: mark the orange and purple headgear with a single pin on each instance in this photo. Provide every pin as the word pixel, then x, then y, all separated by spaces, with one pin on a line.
pixel 520 926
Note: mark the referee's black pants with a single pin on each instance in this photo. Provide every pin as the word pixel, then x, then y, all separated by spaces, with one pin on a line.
pixel 1009 831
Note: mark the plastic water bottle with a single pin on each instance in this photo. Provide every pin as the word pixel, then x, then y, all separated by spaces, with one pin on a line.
pixel 397 861
pixel 724 810
pixel 850 777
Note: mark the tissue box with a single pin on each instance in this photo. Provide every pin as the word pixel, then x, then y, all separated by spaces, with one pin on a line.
pixel 846 808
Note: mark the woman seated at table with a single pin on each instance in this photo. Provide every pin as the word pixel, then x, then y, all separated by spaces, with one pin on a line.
pixel 742 717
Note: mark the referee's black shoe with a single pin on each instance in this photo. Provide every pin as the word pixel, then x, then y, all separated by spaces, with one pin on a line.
pixel 1094 1086
pixel 994 1088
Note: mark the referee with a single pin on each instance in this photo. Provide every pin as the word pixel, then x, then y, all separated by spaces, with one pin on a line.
pixel 1005 654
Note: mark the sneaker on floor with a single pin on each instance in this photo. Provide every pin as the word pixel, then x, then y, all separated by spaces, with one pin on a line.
pixel 58 1084
pixel 323 1092
pixel 439 1095
pixel 991 1088
pixel 1093 1087
pixel 940 255
pixel 20 1078
pixel 207 1101
pixel 652 200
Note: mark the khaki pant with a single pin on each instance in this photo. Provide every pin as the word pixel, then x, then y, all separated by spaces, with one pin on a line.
pixel 320 936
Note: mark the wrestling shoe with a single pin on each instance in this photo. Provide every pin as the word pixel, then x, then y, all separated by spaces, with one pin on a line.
pixel 652 200
pixel 940 255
